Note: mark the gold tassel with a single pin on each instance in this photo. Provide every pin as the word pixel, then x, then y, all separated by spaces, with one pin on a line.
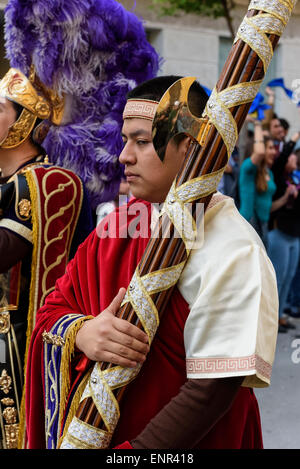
pixel 74 406
pixel 67 353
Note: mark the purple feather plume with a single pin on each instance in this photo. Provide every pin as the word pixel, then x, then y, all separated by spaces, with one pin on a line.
pixel 94 51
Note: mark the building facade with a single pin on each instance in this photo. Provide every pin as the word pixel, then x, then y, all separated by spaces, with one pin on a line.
pixel 197 46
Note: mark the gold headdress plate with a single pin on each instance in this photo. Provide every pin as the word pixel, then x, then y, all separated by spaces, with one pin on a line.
pixel 17 87
pixel 38 102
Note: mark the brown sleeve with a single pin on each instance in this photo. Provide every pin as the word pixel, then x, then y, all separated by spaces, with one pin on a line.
pixel 12 249
pixel 189 416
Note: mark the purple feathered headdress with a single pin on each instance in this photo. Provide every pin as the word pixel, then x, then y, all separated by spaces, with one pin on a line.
pixel 94 51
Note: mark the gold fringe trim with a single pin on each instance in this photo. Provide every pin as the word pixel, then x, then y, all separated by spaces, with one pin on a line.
pixel 30 317
pixel 67 353
pixel 74 406
pixel 35 204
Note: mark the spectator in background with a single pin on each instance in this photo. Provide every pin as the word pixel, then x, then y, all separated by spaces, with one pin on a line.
pixel 284 236
pixel 268 116
pixel 287 146
pixel 286 126
pixel 256 182
pixel 277 133
pixel 293 308
pixel 277 128
pixel 269 113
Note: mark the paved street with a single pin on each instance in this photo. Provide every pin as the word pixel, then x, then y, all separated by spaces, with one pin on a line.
pixel 280 403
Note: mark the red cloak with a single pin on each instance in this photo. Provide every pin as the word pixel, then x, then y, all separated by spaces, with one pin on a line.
pixel 101 266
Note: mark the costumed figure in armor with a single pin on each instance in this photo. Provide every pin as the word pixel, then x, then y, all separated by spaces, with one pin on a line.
pixel 61 115
pixel 215 341
pixel 45 215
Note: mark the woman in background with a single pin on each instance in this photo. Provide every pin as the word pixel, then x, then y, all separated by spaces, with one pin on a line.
pixel 284 236
pixel 256 183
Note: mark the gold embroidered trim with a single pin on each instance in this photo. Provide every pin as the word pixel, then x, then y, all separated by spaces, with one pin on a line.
pixel 24 208
pixel 68 351
pixel 68 337
pixel 17 228
pixel 20 130
pixel 4 322
pixel 7 401
pixel 10 414
pixel 48 242
pixel 81 435
pixel 5 382
pixel 37 256
pixel 11 435
pixel 53 339
pixel 6 308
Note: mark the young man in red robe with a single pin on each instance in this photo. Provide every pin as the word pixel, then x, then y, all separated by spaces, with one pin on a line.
pixel 216 339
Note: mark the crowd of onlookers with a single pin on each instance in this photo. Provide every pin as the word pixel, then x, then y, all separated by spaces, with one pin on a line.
pixel 265 184
pixel 263 177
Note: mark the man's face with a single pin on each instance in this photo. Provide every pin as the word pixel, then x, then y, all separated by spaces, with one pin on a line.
pixel 270 153
pixel 276 130
pixel 7 117
pixel 149 178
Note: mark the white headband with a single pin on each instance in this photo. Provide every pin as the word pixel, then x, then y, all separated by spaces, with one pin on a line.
pixel 140 108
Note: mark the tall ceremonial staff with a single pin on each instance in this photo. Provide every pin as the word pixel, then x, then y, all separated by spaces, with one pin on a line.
pixel 213 138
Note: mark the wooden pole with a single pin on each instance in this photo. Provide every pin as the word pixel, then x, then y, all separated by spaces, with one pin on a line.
pixel 242 65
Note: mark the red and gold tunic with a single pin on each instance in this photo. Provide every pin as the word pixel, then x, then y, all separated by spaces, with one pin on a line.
pixel 101 266
pixel 41 224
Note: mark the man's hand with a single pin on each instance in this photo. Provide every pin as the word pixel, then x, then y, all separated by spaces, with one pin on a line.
pixel 107 338
pixel 271 94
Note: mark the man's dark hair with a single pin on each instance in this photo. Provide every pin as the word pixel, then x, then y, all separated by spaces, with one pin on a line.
pixel 155 88
pixel 284 123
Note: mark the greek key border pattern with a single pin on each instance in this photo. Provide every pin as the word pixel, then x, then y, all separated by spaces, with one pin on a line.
pixel 141 108
pixel 225 365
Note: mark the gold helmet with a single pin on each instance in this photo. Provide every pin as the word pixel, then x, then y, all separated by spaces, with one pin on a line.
pixel 38 102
